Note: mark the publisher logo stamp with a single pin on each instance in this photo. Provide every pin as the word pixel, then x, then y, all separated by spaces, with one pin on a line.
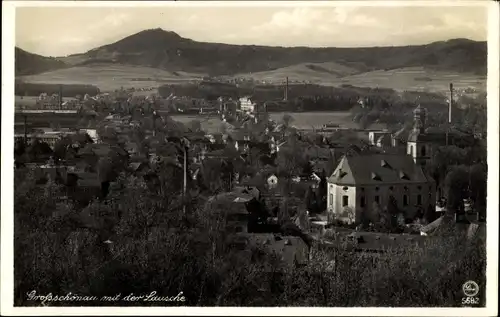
pixel 470 288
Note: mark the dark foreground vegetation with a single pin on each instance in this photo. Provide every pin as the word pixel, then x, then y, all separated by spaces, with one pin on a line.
pixel 60 248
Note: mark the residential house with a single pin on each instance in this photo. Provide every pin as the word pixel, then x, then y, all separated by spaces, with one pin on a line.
pixel 49 138
pixel 374 243
pixel 272 181
pixel 232 207
pixel 375 136
pixel 51 172
pixel 290 250
pixel 246 105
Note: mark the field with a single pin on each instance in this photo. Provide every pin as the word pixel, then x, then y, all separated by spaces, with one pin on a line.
pixel 308 120
pixel 110 77
pixel 331 74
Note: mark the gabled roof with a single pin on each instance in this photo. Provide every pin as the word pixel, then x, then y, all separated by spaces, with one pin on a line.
pixel 88 179
pixel 289 249
pixel 371 169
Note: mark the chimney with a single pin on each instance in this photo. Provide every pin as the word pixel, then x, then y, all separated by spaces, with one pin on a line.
pixel 450 103
pixel 60 97
pixel 25 130
pixel 286 90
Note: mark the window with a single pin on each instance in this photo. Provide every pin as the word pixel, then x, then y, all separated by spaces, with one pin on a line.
pixel 345 201
pixel 422 151
pixel 411 150
pixel 376 188
pixel 405 200
pixel 362 202
pixel 377 199
pixel 419 200
pixel 331 199
pixel 391 188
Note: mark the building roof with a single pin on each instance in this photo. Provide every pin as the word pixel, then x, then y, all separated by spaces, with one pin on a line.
pixel 234 202
pixel 372 169
pixel 384 140
pixel 444 224
pixel 88 179
pixel 289 249
pixel 420 136
pixel 376 241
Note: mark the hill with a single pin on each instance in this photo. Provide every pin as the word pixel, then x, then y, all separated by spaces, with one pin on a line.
pixel 28 63
pixel 157 48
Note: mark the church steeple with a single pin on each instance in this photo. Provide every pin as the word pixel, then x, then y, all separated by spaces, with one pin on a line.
pixel 419 118
pixel 418 146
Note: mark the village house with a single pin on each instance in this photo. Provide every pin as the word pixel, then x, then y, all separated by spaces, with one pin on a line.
pixel 246 105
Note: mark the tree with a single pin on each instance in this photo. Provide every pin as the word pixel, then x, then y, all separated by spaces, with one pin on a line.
pixel 478 185
pixel 456 184
pixel 38 150
pixel 287 120
pixel 377 216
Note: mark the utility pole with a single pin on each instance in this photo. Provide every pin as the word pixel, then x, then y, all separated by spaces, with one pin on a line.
pixel 450 104
pixel 25 130
pixel 60 97
pixel 185 145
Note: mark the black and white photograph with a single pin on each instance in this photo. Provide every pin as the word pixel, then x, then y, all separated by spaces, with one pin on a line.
pixel 238 155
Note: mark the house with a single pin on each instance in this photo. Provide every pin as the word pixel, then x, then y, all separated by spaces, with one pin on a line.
pixel 374 136
pixel 312 180
pixel 291 251
pixel 51 172
pixel 232 207
pixel 361 180
pixel 384 141
pixel 272 181
pixel 246 105
pixel 49 138
pixel 375 243
pixel 444 225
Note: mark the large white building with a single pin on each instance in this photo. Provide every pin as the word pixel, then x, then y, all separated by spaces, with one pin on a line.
pixel 362 180
pixel 246 105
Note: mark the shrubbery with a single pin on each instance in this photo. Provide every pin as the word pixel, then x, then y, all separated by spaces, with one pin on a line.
pixel 155 247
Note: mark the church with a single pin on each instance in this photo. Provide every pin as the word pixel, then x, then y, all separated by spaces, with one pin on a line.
pixel 362 181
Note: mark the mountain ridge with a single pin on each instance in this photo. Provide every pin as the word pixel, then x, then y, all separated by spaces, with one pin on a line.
pixel 168 50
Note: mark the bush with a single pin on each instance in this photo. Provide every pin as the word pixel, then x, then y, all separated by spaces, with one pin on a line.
pixel 156 247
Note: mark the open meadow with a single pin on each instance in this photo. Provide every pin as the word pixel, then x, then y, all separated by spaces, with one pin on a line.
pixel 109 77
pixel 308 120
pixel 401 79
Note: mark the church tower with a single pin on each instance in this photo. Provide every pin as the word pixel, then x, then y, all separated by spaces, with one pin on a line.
pixel 418 143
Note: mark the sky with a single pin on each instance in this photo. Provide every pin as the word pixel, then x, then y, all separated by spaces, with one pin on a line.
pixel 61 31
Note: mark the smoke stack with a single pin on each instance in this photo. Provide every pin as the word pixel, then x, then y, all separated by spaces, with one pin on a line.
pixel 286 90
pixel 25 130
pixel 60 97
pixel 450 103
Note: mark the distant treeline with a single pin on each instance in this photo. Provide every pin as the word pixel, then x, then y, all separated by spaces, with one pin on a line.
pixel 301 97
pixel 68 90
